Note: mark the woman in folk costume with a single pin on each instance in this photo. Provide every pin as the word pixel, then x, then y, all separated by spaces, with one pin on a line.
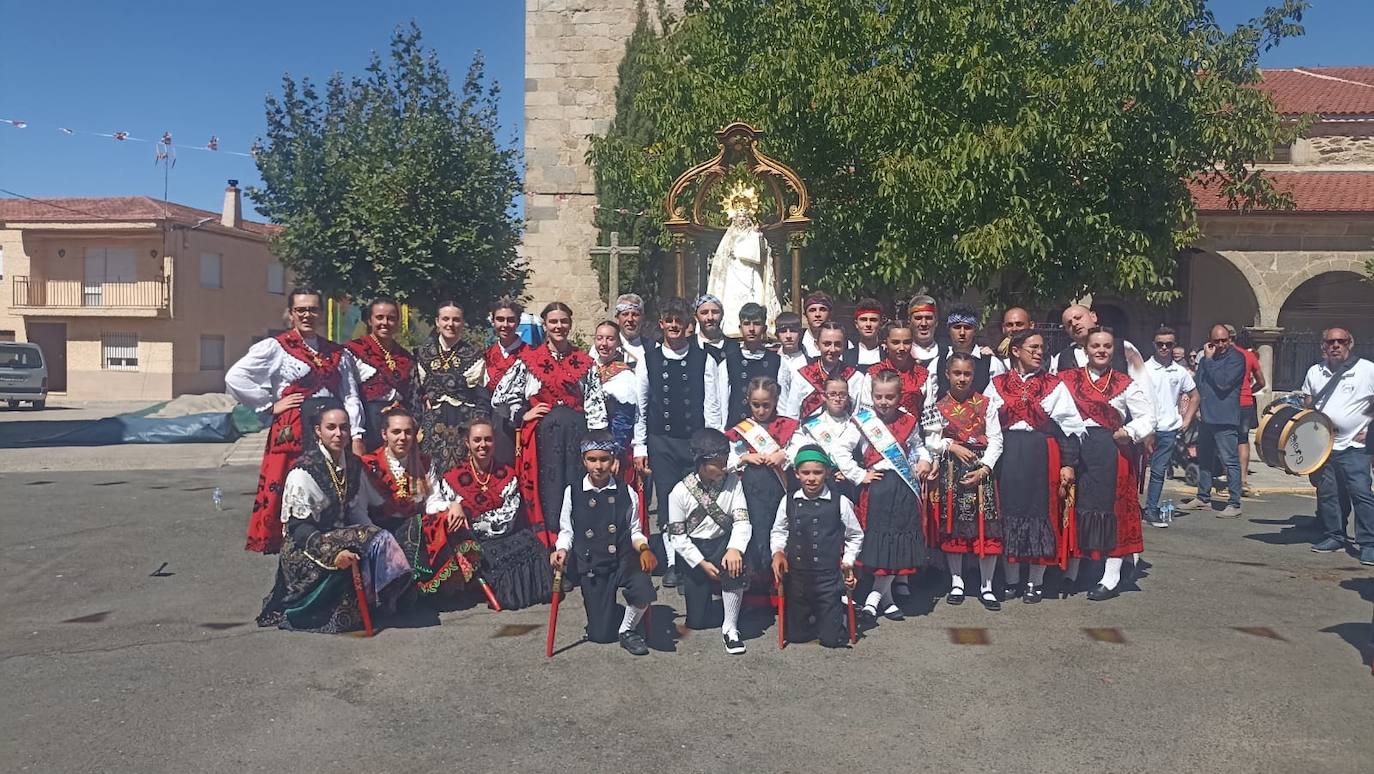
pixel 621 387
pixel 553 394
pixel 806 388
pixel 1041 432
pixel 324 508
pixel 437 545
pixel 884 454
pixel 1119 415
pixel 386 370
pixel 485 495
pixel 450 389
pixel 284 379
pixel 499 357
pixel 963 500
pixel 758 454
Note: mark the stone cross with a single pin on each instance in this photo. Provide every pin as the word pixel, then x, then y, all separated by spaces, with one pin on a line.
pixel 614 251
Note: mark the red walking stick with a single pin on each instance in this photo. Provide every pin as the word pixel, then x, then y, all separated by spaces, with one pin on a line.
pixel 362 599
pixel 553 611
pixel 491 598
pixel 782 618
pixel 853 629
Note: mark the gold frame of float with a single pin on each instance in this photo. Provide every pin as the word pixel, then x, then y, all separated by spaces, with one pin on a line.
pixel 739 145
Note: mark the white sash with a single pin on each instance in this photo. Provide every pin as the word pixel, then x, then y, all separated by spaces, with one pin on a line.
pixel 881 439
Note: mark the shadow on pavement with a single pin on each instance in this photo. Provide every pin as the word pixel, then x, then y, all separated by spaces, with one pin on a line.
pixel 1301 529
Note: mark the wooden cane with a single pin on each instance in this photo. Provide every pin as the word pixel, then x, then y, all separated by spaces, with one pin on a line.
pixel 491 598
pixel 553 611
pixel 782 618
pixel 362 599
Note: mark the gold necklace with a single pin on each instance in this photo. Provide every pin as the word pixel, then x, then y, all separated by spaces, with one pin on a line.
pixel 1106 380
pixel 477 476
pixel 338 480
pixel 402 481
pixel 314 356
pixel 446 358
pixel 390 361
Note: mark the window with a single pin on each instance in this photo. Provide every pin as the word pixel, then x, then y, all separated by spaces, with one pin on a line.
pixel 276 279
pixel 212 353
pixel 119 351
pixel 210 271
pixel 6 335
pixel 107 265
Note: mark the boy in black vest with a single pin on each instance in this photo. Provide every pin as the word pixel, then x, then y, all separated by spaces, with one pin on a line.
pixel 748 360
pixel 599 526
pixel 678 395
pixel 815 540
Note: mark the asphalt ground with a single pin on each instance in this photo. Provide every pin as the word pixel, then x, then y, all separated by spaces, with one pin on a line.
pixel 129 645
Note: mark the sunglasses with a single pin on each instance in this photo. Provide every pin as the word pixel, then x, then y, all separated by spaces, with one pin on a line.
pixel 1164 344
pixel 1336 342
pixel 306 310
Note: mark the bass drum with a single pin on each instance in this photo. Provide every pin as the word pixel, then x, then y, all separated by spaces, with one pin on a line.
pixel 1294 439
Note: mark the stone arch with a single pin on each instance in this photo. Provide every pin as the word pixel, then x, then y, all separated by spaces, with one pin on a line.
pixel 1339 297
pixel 1222 289
pixel 1331 263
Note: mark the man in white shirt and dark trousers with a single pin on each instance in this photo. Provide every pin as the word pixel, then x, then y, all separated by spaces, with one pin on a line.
pixel 1171 383
pixel 708 524
pixel 1342 388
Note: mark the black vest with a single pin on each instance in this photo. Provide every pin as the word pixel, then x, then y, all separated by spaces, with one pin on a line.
pixel 1067 362
pixel 741 371
pixel 851 358
pixel 601 528
pixel 677 392
pixel 982 373
pixel 815 533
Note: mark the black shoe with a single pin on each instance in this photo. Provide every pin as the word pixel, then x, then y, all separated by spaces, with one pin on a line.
pixel 733 645
pixel 894 613
pixel 1033 594
pixel 990 601
pixel 670 577
pixel 868 614
pixel 633 642
pixel 1100 593
pixel 955 597
pixel 1011 592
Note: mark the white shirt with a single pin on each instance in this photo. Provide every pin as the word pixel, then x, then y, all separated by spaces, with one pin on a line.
pixel 634 350
pixel 1136 372
pixel 1169 382
pixel 939 444
pixel 1349 403
pixel 565 528
pixel 1132 399
pixel 868 356
pixel 850 448
pixel 682 504
pixel 853 533
pixel 798 388
pixel 1058 405
pixel 926 356
pixel 823 430
pixel 260 377
pixel 712 412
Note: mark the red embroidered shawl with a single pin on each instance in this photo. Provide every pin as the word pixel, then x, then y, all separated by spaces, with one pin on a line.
pixel 966 422
pixel 498 362
pixel 1094 398
pixel 913 384
pixel 367 350
pixel 1022 398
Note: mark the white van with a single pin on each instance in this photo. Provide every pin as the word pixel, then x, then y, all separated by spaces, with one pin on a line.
pixel 23 375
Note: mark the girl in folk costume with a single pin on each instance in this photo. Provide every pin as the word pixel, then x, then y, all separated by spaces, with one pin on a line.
pixel 1119 415
pixel 963 503
pixel 499 357
pixel 883 452
pixel 806 388
pixel 759 455
pixel 286 377
pixel 708 524
pixel 916 381
pixel 450 391
pixel 437 545
pixel 825 428
pixel 553 394
pixel 324 509
pixel 619 383
pixel 484 494
pixel 386 370
pixel 1041 430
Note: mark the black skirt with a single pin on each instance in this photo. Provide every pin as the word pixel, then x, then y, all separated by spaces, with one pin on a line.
pixel 443 428
pixel 1095 511
pixel 763 491
pixel 560 459
pixel 1023 491
pixel 893 537
pixel 516 566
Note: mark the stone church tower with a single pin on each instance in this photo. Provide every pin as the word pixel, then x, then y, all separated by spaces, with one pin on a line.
pixel 572 51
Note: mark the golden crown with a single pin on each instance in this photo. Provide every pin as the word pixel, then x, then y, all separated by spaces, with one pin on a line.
pixel 741 197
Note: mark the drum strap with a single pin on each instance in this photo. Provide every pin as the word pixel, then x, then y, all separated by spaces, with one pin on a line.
pixel 1319 400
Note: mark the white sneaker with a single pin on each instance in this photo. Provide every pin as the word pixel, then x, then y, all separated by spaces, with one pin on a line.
pixel 733 644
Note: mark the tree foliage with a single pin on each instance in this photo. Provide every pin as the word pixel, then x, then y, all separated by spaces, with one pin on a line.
pixel 392 183
pixel 1033 149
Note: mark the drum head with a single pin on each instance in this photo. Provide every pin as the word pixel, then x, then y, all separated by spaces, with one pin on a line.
pixel 1308 443
pixel 1269 434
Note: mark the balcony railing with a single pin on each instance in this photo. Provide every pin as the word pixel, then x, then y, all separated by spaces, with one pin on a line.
pixel 146 296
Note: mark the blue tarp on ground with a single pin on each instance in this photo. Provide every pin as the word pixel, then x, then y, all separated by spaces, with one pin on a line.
pixel 110 431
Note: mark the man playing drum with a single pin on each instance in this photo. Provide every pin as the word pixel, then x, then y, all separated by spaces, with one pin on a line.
pixel 1342 388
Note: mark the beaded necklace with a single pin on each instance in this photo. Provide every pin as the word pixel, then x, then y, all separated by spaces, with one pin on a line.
pixel 314 356
pixel 386 354
pixel 477 476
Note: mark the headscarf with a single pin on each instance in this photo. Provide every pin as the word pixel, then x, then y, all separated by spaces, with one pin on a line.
pixel 813 454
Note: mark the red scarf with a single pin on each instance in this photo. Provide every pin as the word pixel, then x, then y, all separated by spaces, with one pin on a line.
pixel 498 362
pixel 560 379
pixel 815 375
pixel 395 375
pixel 914 381
pixel 378 471
pixel 965 422
pixel 1093 396
pixel 1022 398
pixel 482 496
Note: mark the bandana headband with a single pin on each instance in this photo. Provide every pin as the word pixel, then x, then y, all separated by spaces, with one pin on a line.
pixel 812 455
pixel 921 308
pixel 867 310
pixel 606 446
pixel 628 306
pixel 958 318
pixel 818 299
pixel 707 298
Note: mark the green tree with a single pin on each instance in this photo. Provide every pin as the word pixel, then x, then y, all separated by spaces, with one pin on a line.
pixel 392 183
pixel 1032 149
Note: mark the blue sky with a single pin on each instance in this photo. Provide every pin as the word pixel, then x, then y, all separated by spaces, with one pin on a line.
pixel 202 69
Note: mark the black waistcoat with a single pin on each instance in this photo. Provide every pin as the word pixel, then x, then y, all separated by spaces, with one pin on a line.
pixel 982 373
pixel 815 533
pixel 601 528
pixel 742 370
pixel 677 392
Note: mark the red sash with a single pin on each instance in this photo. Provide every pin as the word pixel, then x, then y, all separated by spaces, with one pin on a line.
pixel 498 362
pixel 816 376
pixel 560 382
pixel 913 384
pixel 394 376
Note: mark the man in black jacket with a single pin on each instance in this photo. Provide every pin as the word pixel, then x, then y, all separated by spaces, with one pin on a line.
pixel 1219 374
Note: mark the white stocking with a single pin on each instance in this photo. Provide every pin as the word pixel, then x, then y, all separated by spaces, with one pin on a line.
pixel 987 567
pixel 732 601
pixel 882 586
pixel 1111 574
pixel 956 570
pixel 668 550
pixel 632 616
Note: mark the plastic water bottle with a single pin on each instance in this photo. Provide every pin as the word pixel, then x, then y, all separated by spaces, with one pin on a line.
pixel 217 497
pixel 1166 512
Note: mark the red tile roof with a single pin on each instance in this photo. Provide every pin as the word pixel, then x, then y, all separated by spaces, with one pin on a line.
pixel 1313 192
pixel 121 209
pixel 1327 91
